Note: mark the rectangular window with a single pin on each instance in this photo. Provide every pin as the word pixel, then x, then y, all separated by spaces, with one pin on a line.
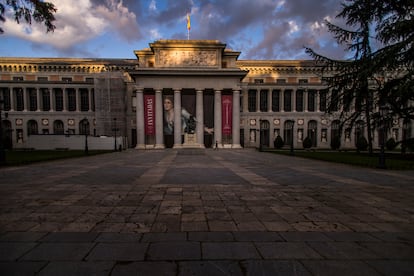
pixel 252 100
pixel 32 99
pixel 322 100
pixel 45 99
pixel 89 80
pixel 5 95
pixel 311 100
pixel 281 81
pixel 84 99
pixel 67 79
pixel 347 100
pixel 263 101
pixel 18 79
pixel 19 99
pixel 303 81
pixel 71 99
pixel 59 99
pixel 276 100
pixel 287 94
pixel 258 81
pixel 334 100
pixel 299 100
pixel 42 79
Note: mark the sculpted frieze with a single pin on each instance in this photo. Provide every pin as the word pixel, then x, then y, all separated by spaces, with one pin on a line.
pixel 185 58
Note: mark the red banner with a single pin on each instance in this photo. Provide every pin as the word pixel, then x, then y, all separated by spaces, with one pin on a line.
pixel 149 114
pixel 226 114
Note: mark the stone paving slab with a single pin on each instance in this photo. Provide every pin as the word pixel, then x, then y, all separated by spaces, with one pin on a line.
pixel 204 212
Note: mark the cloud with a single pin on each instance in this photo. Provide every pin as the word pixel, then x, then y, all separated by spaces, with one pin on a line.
pixel 77 23
pixel 261 29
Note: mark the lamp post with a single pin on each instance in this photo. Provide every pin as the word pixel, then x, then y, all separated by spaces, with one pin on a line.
pixel 291 125
pixel 381 156
pixel 115 130
pixel 2 149
pixel 261 135
pixel 86 131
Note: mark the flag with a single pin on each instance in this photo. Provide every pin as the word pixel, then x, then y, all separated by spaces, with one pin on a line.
pixel 188 22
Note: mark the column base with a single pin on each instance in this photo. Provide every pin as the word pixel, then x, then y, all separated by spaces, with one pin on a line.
pixel 177 146
pixel 159 146
pixel 140 147
pixel 236 146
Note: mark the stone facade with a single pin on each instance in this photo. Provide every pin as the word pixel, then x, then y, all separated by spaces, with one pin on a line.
pixel 234 103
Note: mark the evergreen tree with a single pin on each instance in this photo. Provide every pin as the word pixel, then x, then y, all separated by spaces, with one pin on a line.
pixel 351 80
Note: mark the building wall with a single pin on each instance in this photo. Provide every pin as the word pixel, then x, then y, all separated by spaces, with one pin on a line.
pixel 101 92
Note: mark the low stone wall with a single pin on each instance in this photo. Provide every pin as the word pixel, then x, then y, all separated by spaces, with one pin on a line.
pixel 72 142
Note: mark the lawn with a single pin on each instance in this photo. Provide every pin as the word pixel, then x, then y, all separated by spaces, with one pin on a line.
pixel 394 160
pixel 14 158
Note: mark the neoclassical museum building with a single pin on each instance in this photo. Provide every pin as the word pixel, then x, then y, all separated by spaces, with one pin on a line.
pixel 175 94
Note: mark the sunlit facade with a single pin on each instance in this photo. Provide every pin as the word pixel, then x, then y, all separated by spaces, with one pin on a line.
pixel 175 94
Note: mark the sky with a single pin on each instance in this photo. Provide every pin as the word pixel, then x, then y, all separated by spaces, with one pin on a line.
pixel 259 29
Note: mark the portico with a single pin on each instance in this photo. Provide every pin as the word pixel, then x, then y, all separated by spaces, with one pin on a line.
pixel 201 82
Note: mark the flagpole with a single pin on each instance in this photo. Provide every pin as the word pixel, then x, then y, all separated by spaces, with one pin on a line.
pixel 188 26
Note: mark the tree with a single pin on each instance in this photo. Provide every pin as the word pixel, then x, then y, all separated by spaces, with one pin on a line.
pixel 28 10
pixel 350 80
pixel 381 78
pixel 396 58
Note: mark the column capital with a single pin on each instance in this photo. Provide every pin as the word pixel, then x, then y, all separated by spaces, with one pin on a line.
pixel 138 88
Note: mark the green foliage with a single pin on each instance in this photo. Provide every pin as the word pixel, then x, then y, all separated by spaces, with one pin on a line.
pixel 335 142
pixel 361 143
pixel 390 144
pixel 28 10
pixel 307 143
pixel 278 142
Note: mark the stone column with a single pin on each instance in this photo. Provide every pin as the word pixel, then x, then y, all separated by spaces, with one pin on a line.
pixel 11 98
pixel 236 120
pixel 140 119
pixel 25 99
pixel 269 100
pixel 257 100
pixel 217 118
pixel 282 100
pixel 64 97
pixel 200 118
pixel 177 119
pixel 293 97
pixel 77 95
pixel 51 99
pixel 38 99
pixel 89 100
pixel 318 100
pixel 159 136
pixel 305 100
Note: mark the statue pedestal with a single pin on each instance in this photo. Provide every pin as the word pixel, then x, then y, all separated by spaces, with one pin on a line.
pixel 190 141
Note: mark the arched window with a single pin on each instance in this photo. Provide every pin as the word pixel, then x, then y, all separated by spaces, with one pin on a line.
pixel 58 127
pixel 84 127
pixel 313 132
pixel 7 134
pixel 32 127
pixel 288 132
pixel 335 129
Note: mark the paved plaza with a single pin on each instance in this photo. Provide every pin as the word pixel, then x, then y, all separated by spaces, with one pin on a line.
pixel 204 212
